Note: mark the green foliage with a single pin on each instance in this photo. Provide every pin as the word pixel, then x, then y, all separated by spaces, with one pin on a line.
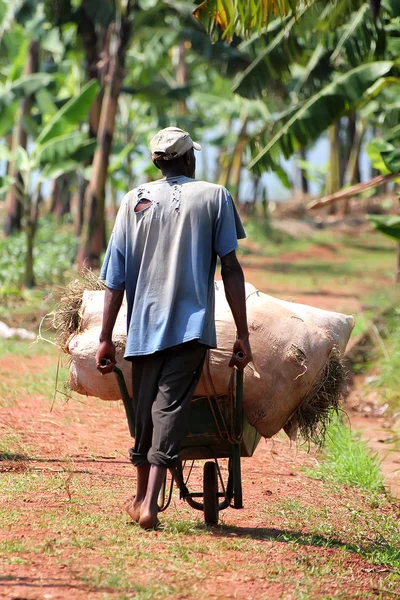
pixel 391 158
pixel 384 152
pixel 348 460
pixel 374 151
pixel 272 55
pixel 246 17
pixel 300 126
pixel 54 254
pixel 387 224
pixel 71 114
pixel 59 148
pixel 27 85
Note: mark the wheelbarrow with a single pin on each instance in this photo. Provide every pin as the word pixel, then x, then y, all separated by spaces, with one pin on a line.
pixel 217 430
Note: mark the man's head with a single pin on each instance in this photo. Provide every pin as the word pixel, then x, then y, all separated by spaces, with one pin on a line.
pixel 172 151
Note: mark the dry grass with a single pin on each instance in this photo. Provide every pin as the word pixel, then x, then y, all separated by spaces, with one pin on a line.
pixel 66 318
pixel 323 402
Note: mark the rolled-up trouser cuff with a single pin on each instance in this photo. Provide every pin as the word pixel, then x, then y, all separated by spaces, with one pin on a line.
pixel 154 458
pixel 138 460
pixel 161 459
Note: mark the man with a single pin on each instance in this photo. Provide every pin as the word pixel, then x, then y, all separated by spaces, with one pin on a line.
pixel 163 253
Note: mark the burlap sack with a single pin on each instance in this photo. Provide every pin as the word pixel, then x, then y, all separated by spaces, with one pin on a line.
pixel 338 325
pixel 289 355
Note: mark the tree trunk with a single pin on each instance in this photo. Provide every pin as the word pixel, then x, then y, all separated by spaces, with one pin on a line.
pixel 181 74
pixel 113 195
pixel 224 168
pixel 223 162
pixel 32 214
pixel 89 38
pixel 14 201
pixel 264 205
pixel 29 279
pixel 237 161
pixel 303 172
pixel 60 203
pixel 334 163
pixel 93 234
pixel 352 173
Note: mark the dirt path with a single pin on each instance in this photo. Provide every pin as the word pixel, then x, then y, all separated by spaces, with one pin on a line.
pixel 367 416
pixel 64 475
pixel 65 534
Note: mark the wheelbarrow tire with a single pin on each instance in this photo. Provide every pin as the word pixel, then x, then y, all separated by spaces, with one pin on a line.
pixel 210 493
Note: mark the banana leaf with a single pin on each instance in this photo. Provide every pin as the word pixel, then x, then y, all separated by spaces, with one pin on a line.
pixel 59 148
pixel 301 126
pixel 391 158
pixel 241 17
pixel 387 224
pixel 29 84
pixel 71 114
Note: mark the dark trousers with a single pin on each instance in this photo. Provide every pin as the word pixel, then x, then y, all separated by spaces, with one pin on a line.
pixel 163 385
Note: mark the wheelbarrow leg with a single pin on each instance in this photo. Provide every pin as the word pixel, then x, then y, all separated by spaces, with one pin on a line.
pixel 238 428
pixel 237 477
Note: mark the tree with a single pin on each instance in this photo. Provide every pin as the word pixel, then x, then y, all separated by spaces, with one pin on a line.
pixel 58 149
pixel 14 205
pixel 94 236
pixel 334 84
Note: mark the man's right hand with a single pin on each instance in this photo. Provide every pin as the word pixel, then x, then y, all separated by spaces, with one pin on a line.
pixel 241 346
pixel 106 351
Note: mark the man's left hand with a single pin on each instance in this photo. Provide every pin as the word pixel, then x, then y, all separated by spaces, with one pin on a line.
pixel 106 352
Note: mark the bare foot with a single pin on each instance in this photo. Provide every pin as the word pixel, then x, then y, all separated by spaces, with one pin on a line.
pixel 148 519
pixel 132 507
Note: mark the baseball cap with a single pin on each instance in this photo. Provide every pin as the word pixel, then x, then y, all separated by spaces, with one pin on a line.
pixel 170 143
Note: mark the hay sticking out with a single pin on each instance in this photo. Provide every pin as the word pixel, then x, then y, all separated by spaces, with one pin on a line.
pixel 67 315
pixel 317 409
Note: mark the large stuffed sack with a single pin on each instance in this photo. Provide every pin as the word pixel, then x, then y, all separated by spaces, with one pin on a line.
pixel 337 325
pixel 292 358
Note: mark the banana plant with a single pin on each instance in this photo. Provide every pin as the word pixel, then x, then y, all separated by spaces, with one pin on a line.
pixel 246 17
pixel 305 122
pixel 385 156
pixel 347 69
pixel 60 148
pixel 26 45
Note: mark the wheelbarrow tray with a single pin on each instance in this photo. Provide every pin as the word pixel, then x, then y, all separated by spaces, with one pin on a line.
pixel 210 430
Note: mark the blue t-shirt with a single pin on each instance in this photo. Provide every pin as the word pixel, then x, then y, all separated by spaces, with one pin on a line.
pixel 165 257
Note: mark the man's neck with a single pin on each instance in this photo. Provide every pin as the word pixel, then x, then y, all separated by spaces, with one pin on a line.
pixel 173 173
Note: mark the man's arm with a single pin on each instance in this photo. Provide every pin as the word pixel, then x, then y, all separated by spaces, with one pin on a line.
pixel 112 304
pixel 233 278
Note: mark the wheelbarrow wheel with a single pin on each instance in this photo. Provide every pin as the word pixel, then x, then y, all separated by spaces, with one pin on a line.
pixel 210 493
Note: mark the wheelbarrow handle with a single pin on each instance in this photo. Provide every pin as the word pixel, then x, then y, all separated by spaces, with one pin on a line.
pixel 126 399
pixel 238 404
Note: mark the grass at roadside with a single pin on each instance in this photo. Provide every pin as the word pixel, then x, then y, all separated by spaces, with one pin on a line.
pixel 42 380
pixel 347 460
pixel 387 380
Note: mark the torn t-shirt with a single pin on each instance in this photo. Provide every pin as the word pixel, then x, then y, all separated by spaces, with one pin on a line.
pixel 165 255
